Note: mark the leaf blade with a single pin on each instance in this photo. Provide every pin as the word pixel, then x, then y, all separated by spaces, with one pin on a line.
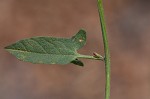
pixel 42 58
pixel 47 50
pixel 79 39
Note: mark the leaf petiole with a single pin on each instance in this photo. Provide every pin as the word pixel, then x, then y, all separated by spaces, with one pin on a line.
pixel 91 57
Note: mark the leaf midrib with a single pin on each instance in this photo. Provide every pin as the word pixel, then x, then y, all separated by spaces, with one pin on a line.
pixel 75 54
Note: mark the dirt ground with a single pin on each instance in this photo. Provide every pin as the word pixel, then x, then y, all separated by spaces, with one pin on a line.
pixel 128 26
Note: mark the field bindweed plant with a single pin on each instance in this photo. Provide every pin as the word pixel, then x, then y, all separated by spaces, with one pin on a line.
pixel 51 50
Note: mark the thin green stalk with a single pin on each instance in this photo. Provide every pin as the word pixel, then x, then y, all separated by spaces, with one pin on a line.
pixel 91 57
pixel 106 49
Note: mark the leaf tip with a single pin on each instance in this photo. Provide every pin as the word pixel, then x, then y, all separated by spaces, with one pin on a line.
pixel 6 47
pixel 79 39
pixel 82 30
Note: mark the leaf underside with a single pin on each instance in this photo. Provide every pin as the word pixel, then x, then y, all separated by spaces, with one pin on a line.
pixel 49 50
pixel 77 62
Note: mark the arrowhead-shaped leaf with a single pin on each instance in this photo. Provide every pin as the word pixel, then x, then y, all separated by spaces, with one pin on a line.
pixel 49 50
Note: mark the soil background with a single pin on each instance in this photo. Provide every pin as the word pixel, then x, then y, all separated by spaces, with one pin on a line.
pixel 128 26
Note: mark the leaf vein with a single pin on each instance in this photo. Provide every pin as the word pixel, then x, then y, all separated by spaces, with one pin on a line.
pixel 42 53
pixel 24 46
pixel 39 45
pixel 53 45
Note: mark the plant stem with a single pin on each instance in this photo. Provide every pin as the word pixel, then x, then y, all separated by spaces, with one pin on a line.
pixel 106 49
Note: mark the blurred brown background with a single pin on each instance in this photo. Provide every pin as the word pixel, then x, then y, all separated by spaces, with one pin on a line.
pixel 128 26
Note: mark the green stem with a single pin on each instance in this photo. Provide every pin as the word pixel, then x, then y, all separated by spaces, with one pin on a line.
pixel 106 49
pixel 91 57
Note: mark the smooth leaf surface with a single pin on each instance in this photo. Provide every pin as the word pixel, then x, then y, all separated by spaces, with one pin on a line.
pixel 49 50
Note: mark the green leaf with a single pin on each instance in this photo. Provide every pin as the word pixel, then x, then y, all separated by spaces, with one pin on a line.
pixel 49 50
pixel 77 62
pixel 79 39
